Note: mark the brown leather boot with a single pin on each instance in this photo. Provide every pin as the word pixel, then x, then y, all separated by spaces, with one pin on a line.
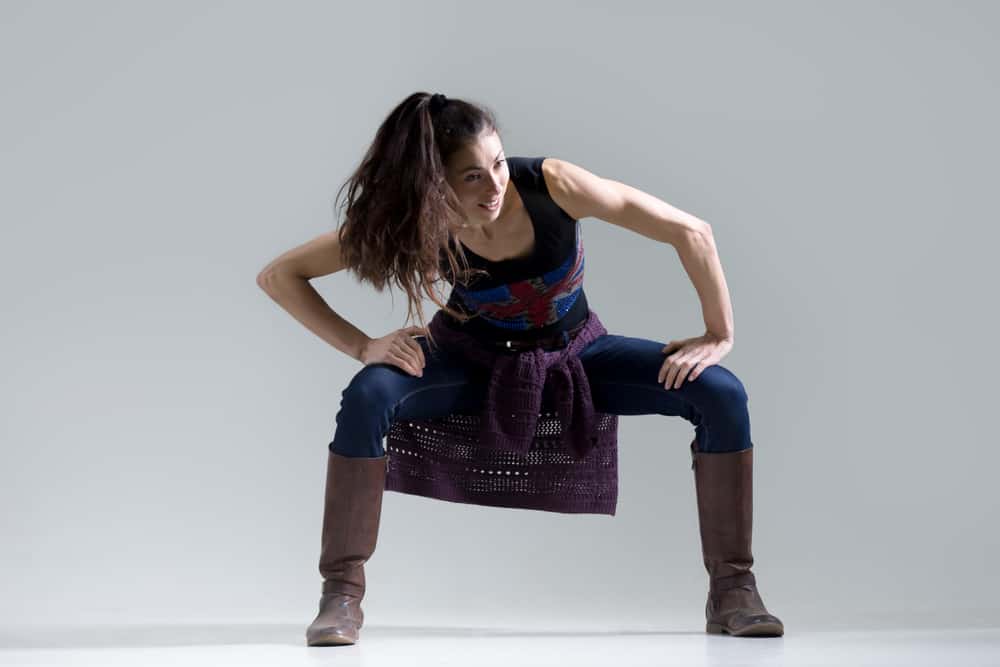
pixel 351 515
pixel 724 486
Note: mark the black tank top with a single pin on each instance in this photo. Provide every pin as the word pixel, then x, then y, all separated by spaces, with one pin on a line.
pixel 529 297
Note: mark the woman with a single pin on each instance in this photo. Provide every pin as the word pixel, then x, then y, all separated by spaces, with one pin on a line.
pixel 436 197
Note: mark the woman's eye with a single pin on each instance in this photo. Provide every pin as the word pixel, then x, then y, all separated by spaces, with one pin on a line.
pixel 470 178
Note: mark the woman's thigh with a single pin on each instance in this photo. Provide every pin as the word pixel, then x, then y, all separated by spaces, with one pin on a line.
pixel 381 393
pixel 622 372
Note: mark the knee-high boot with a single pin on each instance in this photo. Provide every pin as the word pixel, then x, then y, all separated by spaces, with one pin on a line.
pixel 724 487
pixel 353 507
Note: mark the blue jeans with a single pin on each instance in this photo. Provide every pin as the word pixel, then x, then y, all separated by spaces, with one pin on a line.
pixel 621 371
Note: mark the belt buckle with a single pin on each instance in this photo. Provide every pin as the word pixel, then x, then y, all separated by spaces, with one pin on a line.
pixel 511 346
pixel 564 338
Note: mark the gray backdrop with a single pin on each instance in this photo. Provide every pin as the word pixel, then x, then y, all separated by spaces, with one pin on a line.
pixel 165 423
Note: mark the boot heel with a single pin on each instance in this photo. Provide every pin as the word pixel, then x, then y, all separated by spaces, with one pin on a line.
pixel 713 629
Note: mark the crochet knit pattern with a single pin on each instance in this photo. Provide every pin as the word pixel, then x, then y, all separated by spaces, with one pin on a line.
pixel 537 444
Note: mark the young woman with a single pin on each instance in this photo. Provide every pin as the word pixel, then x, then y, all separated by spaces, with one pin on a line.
pixel 434 198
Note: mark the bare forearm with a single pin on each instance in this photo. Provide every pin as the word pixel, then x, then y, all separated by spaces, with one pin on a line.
pixel 700 258
pixel 297 296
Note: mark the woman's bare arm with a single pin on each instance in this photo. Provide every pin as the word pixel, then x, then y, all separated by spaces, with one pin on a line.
pixel 286 281
pixel 583 194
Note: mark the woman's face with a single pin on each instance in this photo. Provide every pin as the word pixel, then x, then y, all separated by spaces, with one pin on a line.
pixel 478 174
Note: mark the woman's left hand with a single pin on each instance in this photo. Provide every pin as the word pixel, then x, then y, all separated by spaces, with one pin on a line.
pixel 688 357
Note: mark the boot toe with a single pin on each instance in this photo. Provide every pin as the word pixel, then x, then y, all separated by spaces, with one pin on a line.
pixel 750 625
pixel 332 636
pixel 339 621
pixel 329 630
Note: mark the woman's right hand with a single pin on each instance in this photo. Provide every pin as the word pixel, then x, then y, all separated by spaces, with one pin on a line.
pixel 398 348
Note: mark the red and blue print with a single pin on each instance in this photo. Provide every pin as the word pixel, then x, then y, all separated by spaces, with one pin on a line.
pixel 531 303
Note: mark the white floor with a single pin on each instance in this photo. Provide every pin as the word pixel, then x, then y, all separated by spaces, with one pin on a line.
pixel 284 645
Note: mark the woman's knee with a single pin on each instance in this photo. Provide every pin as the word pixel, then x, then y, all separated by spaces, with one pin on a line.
pixel 372 393
pixel 724 383
pixel 722 400
pixel 365 414
pixel 721 393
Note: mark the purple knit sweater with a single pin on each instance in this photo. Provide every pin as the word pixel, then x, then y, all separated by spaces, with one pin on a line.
pixel 514 453
pixel 510 416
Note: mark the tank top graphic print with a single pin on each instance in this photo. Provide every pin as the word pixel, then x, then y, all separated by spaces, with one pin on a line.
pixel 534 296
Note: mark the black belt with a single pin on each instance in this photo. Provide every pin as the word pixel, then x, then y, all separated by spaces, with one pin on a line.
pixel 554 342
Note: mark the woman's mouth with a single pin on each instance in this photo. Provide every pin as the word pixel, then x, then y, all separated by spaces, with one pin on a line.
pixel 493 205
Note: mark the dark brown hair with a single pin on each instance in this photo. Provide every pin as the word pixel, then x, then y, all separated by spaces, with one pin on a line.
pixel 400 211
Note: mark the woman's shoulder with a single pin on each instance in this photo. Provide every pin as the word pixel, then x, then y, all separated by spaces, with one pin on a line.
pixel 526 172
pixel 525 163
